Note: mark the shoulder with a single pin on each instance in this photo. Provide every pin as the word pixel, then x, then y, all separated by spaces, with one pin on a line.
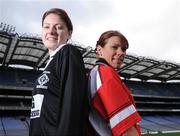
pixel 108 72
pixel 106 69
pixel 70 49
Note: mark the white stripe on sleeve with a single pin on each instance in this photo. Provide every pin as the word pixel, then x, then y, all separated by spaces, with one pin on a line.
pixel 98 80
pixel 122 115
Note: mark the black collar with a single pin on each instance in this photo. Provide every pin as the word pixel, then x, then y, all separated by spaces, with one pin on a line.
pixel 102 61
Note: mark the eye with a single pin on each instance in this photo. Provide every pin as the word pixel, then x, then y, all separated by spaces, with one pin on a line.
pixel 45 26
pixel 123 48
pixel 114 47
pixel 58 27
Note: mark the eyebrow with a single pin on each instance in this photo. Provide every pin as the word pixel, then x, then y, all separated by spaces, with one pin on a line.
pixel 53 24
pixel 117 44
pixel 121 45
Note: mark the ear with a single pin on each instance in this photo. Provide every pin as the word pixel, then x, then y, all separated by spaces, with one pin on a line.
pixel 99 50
pixel 69 34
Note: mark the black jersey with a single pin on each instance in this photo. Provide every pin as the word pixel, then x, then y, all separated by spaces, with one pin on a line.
pixel 59 96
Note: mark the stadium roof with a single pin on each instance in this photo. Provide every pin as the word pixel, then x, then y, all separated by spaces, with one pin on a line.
pixel 29 51
pixel 18 50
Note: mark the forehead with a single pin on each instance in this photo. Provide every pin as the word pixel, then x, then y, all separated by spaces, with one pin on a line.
pixel 53 18
pixel 113 40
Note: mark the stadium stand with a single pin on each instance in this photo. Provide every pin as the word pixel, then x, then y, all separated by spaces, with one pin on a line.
pixel 13 127
pixel 23 57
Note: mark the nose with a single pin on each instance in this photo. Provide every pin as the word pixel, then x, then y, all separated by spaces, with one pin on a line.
pixel 52 30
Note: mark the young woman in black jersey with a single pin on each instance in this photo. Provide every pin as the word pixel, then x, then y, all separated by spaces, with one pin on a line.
pixel 59 94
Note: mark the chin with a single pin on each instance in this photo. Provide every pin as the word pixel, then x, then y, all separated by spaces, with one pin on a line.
pixel 116 67
pixel 52 46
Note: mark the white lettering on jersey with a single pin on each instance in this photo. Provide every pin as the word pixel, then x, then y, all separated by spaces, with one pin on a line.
pixel 36 105
pixel 42 80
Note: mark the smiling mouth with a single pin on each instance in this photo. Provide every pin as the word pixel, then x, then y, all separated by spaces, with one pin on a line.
pixel 52 38
pixel 119 60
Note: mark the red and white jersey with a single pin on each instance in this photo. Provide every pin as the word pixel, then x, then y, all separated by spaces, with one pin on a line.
pixel 112 106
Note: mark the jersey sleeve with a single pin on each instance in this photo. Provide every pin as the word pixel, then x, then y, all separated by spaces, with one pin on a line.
pixel 71 74
pixel 113 101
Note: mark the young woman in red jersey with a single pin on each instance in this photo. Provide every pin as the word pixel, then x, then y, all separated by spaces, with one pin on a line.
pixel 112 107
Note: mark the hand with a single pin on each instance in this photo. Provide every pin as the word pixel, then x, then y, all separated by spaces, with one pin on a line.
pixel 131 132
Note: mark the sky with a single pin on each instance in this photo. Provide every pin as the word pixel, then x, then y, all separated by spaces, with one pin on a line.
pixel 152 27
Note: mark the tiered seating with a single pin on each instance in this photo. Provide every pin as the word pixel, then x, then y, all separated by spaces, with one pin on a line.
pixel 16 87
pixel 163 124
pixel 157 103
pixel 154 89
pixel 7 78
pixel 13 127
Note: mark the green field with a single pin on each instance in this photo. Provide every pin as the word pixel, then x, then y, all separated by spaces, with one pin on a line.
pixel 168 134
